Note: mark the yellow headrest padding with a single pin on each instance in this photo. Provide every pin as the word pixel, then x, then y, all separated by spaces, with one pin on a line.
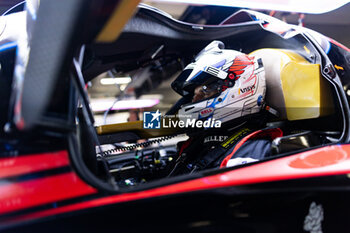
pixel 301 87
pixel 305 92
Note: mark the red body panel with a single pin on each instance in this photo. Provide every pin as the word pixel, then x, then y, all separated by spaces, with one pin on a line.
pixel 45 190
pixel 18 194
pixel 331 160
pixel 32 163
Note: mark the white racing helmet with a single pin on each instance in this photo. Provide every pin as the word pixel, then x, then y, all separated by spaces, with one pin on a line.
pixel 222 84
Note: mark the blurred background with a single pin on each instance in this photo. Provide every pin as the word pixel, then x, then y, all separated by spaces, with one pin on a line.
pixel 115 95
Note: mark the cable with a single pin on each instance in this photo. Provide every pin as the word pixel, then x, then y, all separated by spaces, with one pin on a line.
pixel 81 55
pixel 123 93
pixel 105 114
pixel 109 109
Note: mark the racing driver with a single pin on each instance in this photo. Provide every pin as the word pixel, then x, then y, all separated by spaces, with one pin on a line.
pixel 229 86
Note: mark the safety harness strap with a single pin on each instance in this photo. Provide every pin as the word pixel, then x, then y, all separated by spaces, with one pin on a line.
pixel 271 133
pixel 219 151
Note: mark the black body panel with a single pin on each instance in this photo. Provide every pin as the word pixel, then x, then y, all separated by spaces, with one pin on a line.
pixel 269 207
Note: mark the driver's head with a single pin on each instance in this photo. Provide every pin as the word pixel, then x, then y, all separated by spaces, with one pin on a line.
pixel 221 81
pixel 204 92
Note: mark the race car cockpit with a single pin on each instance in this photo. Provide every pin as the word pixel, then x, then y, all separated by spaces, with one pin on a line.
pixel 298 80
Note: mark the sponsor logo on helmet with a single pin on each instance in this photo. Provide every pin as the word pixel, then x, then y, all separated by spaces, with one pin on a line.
pixel 206 112
pixel 244 90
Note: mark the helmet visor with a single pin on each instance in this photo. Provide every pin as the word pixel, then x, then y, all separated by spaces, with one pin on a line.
pixel 205 92
pixel 201 81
